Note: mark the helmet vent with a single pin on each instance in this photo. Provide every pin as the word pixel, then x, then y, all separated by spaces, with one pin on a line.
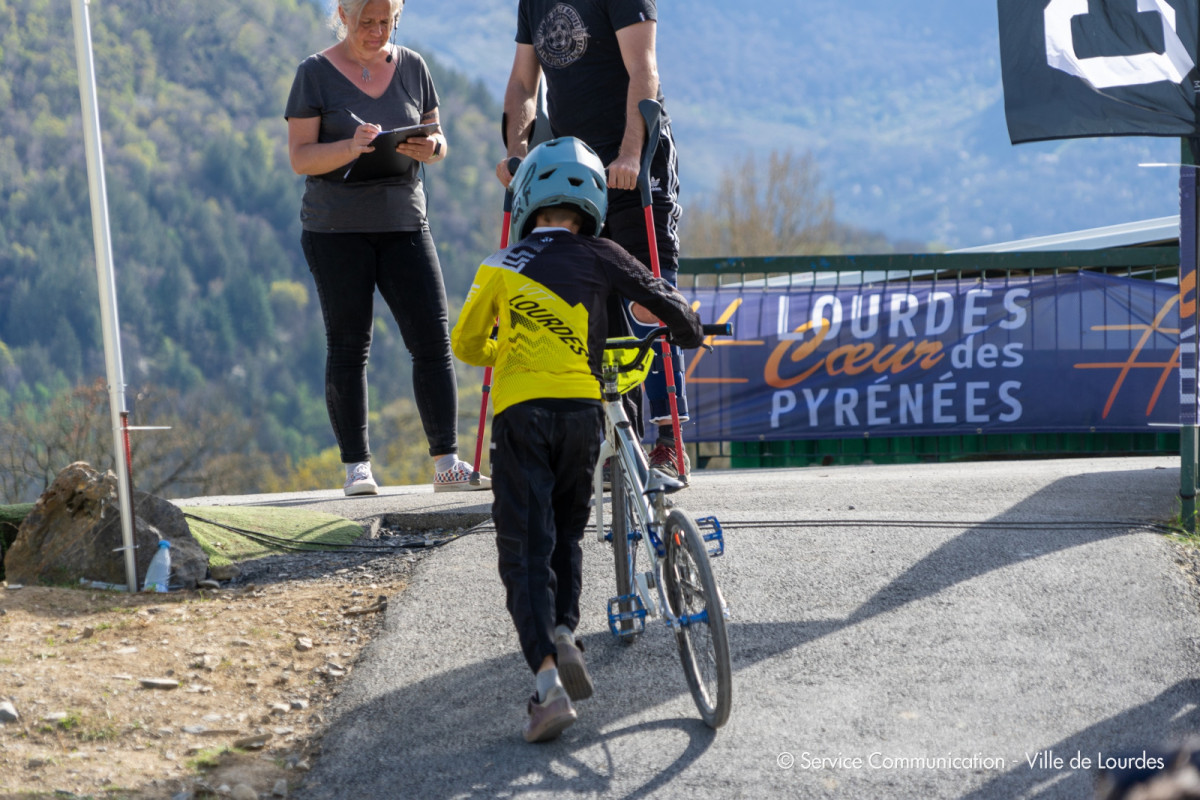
pixel 544 175
pixel 575 181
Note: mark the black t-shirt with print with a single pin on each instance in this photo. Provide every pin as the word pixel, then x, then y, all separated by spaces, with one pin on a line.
pixel 586 80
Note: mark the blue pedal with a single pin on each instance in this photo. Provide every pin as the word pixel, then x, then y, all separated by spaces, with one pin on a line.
pixel 710 529
pixel 636 614
pixel 690 619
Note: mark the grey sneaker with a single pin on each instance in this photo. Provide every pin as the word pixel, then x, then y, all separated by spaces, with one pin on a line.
pixel 359 479
pixel 571 669
pixel 549 718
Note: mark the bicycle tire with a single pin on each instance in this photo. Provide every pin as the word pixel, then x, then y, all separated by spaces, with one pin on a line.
pixel 624 551
pixel 691 589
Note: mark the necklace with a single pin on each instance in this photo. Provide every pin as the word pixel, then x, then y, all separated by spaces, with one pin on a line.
pixel 366 73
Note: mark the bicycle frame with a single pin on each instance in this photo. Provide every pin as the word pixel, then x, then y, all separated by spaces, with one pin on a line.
pixel 649 493
pixel 676 563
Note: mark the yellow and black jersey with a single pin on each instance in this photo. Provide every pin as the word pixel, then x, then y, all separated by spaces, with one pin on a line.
pixel 547 294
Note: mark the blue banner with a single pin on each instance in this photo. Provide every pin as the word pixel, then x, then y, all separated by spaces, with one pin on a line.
pixel 1075 353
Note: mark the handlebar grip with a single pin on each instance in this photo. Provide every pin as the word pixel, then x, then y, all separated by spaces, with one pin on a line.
pixel 512 164
pixel 722 329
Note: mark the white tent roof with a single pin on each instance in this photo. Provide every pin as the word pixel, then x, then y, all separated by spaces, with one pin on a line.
pixel 1128 234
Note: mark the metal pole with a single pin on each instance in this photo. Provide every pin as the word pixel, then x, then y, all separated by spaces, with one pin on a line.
pixel 104 273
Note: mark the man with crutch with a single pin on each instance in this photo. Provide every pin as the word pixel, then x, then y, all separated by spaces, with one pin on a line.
pixel 599 62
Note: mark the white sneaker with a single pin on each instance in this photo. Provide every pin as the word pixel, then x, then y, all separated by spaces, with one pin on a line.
pixel 359 480
pixel 458 479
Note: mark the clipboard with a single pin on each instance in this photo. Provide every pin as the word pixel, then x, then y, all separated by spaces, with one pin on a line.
pixel 384 161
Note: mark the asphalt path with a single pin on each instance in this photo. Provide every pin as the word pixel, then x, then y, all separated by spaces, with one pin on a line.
pixel 923 631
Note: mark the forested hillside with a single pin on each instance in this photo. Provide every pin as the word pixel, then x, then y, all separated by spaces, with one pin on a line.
pixel 216 304
pixel 900 104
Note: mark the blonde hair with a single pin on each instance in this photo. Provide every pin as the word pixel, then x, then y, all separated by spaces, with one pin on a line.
pixel 354 9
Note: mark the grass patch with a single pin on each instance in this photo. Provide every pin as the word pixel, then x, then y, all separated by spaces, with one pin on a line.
pixel 209 758
pixel 272 530
pixel 15 514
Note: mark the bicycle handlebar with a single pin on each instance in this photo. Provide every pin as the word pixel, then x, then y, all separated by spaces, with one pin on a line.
pixel 644 343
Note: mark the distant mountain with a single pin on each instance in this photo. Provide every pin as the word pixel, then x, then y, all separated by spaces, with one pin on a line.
pixel 901 103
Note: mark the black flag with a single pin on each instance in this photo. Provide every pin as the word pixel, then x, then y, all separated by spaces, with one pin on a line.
pixel 1077 68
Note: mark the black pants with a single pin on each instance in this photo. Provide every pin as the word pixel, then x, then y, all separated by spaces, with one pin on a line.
pixel 347 268
pixel 541 482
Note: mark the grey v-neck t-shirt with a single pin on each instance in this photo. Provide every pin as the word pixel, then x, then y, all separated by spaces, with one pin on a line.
pixel 331 205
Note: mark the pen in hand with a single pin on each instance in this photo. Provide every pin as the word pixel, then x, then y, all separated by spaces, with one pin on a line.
pixel 361 121
pixel 366 148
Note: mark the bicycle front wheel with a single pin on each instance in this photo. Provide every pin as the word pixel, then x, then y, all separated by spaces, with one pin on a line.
pixel 691 591
pixel 624 526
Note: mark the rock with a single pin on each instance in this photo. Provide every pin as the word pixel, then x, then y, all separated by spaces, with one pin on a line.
pixel 159 683
pixel 281 788
pixel 207 662
pixel 256 742
pixel 303 643
pixel 8 712
pixel 225 572
pixel 243 792
pixel 74 532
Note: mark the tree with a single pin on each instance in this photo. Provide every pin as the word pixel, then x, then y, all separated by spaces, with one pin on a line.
pixel 205 447
pixel 776 210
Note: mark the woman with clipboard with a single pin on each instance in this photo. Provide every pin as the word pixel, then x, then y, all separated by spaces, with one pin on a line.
pixel 365 227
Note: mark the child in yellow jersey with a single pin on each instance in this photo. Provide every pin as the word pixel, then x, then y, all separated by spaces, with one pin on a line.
pixel 548 296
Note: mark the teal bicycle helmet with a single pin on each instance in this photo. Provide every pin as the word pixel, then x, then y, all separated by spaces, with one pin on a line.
pixel 560 172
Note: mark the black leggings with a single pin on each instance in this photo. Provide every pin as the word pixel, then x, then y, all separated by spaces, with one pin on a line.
pixel 347 268
pixel 541 482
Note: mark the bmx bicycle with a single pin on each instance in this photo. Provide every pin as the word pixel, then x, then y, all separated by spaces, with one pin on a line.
pixel 661 555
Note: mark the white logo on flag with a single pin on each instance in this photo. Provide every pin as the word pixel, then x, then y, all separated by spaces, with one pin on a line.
pixel 1104 72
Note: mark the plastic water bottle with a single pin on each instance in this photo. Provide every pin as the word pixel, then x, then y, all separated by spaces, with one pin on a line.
pixel 159 572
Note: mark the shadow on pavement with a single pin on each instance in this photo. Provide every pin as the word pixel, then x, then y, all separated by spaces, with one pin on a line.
pixel 457 734
pixel 1173 714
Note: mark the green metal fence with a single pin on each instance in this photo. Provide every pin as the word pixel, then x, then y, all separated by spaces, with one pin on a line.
pixel 1157 263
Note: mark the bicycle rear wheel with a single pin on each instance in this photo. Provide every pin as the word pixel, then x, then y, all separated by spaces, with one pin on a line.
pixel 624 523
pixel 692 593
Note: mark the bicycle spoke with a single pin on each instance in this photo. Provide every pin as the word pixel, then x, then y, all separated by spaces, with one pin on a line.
pixel 696 603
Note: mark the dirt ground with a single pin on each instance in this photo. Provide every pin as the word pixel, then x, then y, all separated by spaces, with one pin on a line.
pixel 186 694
